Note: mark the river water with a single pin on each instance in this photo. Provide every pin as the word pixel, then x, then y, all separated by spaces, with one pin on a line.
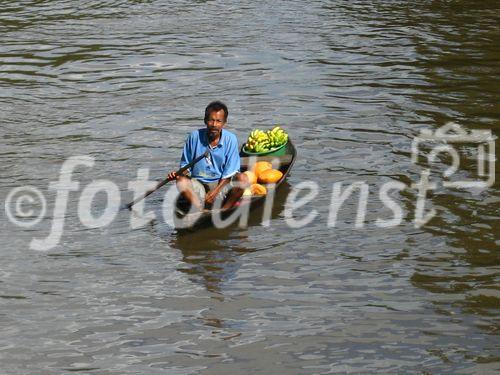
pixel 353 83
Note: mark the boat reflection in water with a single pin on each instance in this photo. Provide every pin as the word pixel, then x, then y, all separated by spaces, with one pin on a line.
pixel 212 255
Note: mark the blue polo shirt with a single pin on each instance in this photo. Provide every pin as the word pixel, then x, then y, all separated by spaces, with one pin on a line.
pixel 222 162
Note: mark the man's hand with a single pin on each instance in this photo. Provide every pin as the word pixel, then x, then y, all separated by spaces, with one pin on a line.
pixel 210 197
pixel 172 176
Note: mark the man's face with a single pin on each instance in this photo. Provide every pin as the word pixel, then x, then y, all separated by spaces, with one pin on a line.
pixel 215 123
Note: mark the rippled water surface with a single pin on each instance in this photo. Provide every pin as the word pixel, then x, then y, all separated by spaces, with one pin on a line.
pixel 353 83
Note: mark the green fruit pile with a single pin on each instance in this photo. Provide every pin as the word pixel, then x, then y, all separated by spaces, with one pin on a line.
pixel 260 141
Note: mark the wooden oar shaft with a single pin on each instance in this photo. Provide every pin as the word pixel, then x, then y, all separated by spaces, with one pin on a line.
pixel 167 180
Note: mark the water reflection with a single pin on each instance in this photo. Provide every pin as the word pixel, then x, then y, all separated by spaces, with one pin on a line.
pixel 457 61
pixel 212 256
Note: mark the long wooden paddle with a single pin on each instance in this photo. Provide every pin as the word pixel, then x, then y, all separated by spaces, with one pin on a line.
pixel 167 180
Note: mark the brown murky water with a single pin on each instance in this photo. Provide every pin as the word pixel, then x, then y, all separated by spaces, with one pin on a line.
pixel 353 83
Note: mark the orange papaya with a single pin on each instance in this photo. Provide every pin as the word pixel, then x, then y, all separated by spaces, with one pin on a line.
pixel 270 176
pixel 258 189
pixel 260 167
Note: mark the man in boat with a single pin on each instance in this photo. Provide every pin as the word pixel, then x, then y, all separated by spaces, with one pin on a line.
pixel 218 175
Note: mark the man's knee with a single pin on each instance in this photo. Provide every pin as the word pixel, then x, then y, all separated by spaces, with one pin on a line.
pixel 183 183
pixel 241 181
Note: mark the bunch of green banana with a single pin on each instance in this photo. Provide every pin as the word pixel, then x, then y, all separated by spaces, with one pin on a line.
pixel 260 141
pixel 277 137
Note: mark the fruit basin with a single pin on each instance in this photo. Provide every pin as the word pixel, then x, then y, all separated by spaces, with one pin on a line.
pixel 277 151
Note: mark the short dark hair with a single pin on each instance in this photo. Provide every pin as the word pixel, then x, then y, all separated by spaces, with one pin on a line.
pixel 216 106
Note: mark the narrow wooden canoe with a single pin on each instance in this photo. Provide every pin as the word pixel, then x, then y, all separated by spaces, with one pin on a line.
pixel 284 163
